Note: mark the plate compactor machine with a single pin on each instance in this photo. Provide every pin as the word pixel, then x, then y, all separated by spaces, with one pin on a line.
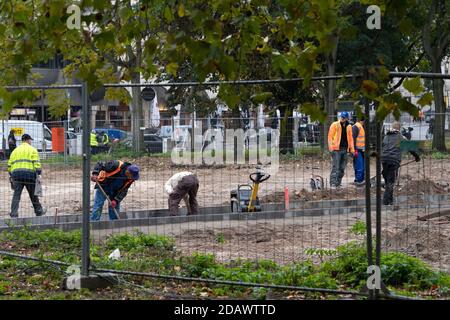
pixel 245 197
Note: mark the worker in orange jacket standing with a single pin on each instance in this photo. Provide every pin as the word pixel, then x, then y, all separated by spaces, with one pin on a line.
pixel 340 143
pixel 359 137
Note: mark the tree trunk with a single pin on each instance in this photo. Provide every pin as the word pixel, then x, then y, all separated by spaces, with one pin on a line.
pixel 330 94
pixel 137 116
pixel 439 103
pixel 435 45
pixel 287 131
pixel 137 120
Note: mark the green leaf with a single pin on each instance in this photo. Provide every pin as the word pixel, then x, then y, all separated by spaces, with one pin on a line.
pixel 413 85
pixel 181 10
pixel 172 68
pixel 105 38
pixel 426 99
pixel 315 112
pixel 261 97
pixel 168 15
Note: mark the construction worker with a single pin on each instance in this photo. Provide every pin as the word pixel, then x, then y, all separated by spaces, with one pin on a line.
pixel 12 143
pixel 390 158
pixel 94 143
pixel 182 185
pixel 24 167
pixel 113 179
pixel 359 138
pixel 103 141
pixel 340 142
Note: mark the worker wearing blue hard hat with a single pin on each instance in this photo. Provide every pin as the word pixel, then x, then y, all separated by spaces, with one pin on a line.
pixel 340 143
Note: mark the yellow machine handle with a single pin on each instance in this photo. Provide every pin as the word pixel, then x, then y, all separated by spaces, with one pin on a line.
pixel 251 207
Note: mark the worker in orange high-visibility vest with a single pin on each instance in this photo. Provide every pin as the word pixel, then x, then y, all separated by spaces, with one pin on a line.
pixel 340 143
pixel 359 138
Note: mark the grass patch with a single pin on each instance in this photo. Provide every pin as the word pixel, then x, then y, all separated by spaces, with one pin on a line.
pixel 344 268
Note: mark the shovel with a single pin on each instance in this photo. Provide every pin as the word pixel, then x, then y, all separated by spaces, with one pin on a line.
pixel 372 180
pixel 107 198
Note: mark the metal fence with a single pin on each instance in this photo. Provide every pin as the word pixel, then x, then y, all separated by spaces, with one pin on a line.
pixel 301 217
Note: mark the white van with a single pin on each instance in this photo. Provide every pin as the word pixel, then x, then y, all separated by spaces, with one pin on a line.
pixel 41 134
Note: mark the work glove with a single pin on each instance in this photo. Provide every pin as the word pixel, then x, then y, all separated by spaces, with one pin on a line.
pixel 94 178
pixel 113 204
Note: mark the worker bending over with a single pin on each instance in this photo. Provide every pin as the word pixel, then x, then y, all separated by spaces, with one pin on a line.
pixel 113 179
pixel 182 185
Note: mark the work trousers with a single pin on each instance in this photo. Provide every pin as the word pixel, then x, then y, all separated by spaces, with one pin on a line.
pixel 18 185
pixel 99 200
pixel 358 165
pixel 390 172
pixel 339 162
pixel 186 188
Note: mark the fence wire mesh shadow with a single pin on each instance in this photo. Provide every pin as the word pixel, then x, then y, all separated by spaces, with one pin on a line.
pixel 302 223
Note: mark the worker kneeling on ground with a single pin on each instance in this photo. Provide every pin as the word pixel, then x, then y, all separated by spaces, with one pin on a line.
pixel 113 179
pixel 24 168
pixel 182 185
pixel 340 142
pixel 390 158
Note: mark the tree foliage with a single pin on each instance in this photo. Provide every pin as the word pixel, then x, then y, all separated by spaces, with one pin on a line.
pixel 198 40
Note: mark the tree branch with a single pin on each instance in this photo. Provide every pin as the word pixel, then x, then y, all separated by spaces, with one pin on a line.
pixel 399 83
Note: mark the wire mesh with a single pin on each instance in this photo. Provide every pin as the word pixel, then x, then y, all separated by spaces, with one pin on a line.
pixel 301 219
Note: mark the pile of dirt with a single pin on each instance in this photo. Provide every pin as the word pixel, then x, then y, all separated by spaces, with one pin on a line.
pixel 426 241
pixel 316 195
pixel 423 186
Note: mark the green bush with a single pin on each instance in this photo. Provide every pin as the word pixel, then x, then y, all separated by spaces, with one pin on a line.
pixel 397 269
pixel 139 241
pixel 198 263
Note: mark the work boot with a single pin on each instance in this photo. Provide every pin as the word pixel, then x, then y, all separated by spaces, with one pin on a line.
pixel 41 213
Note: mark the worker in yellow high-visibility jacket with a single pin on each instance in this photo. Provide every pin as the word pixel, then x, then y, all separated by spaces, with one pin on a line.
pixel 24 168
pixel 94 143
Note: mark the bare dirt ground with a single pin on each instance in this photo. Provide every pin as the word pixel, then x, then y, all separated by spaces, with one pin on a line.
pixel 287 240
pixel 63 184
pixel 280 240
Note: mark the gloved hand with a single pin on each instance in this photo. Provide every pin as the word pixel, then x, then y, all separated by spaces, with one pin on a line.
pixel 356 154
pixel 94 178
pixel 113 204
pixel 417 157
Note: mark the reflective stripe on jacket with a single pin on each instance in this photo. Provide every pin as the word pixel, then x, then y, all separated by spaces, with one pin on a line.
pixel 334 137
pixel 360 142
pixel 94 142
pixel 24 157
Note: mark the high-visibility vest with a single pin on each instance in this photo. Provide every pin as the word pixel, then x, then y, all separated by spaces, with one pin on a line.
pixel 24 157
pixel 94 142
pixel 360 142
pixel 104 174
pixel 334 137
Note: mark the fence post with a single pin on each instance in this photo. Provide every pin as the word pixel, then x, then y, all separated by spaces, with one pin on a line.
pixel 367 186
pixel 378 198
pixel 86 180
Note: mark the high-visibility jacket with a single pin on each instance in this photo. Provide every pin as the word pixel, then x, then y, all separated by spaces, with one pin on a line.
pixel 334 137
pixel 94 142
pixel 113 178
pixel 24 158
pixel 360 142
pixel 105 138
